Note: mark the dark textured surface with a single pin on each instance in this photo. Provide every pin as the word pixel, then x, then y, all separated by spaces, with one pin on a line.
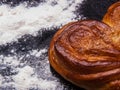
pixel 94 9
pixel 17 2
pixel 91 9
pixel 28 42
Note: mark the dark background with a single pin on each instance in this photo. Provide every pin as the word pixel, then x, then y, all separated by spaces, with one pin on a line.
pixel 91 9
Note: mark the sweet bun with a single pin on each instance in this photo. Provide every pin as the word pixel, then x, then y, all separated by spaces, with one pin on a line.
pixel 112 17
pixel 86 53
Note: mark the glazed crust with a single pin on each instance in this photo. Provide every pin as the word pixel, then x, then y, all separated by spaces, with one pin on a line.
pixel 86 54
pixel 112 17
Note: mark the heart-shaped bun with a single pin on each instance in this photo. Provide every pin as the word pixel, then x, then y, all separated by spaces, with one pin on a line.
pixel 87 52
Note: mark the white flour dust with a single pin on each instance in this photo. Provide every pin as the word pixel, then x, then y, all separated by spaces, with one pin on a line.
pixel 17 21
pixel 26 77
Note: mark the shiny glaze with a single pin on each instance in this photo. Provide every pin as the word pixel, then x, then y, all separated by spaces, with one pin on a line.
pixel 87 53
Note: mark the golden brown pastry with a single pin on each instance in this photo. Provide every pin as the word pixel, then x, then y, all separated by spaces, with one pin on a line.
pixel 112 17
pixel 87 53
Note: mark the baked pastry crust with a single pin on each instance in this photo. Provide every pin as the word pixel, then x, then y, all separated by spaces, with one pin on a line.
pixel 87 53
pixel 112 17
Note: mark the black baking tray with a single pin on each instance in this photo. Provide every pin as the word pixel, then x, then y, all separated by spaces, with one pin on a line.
pixel 90 9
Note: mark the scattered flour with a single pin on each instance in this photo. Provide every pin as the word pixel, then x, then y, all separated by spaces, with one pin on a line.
pixel 26 78
pixel 1 79
pixel 11 61
pixel 17 21
pixel 38 53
